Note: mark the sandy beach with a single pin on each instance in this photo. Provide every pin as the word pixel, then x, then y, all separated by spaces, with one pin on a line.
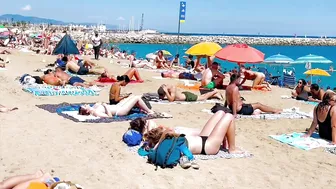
pixel 94 156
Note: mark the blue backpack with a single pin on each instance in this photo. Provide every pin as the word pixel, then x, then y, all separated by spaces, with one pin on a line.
pixel 168 153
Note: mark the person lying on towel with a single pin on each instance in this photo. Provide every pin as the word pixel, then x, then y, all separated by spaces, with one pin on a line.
pixel 217 133
pixel 316 93
pixel 212 78
pixel 235 102
pixel 179 75
pixel 82 68
pixel 50 79
pixel 123 108
pixel 258 78
pixel 170 93
pixel 131 73
pixel 72 80
pixel 325 118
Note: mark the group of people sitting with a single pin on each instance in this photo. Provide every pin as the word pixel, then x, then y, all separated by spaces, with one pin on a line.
pixel 305 92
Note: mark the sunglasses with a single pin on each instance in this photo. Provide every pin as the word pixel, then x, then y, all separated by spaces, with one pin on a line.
pixel 299 82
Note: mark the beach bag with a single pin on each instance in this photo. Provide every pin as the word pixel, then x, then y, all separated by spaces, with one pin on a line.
pixel 154 97
pixel 221 107
pixel 168 153
pixel 149 106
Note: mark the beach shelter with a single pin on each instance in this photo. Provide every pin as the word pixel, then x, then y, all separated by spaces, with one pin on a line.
pixel 66 46
pixel 316 72
pixel 278 59
pixel 240 53
pixel 204 49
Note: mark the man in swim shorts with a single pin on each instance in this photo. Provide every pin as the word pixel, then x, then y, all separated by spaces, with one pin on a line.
pixel 178 75
pixel 72 80
pixel 258 78
pixel 235 102
pixel 212 78
pixel 81 69
pixel 170 93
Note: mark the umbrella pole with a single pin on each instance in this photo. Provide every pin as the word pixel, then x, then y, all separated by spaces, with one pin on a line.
pixel 311 79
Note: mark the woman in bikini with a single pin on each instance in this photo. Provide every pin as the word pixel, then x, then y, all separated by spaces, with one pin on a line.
pixel 121 109
pixel 115 89
pixel 258 79
pixel 325 118
pixel 301 90
pixel 160 61
pixel 131 73
pixel 218 131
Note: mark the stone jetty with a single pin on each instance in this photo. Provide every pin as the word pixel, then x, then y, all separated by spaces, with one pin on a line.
pixel 173 39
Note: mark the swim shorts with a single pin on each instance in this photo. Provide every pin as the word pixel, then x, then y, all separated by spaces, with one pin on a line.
pixel 75 79
pixel 83 70
pixel 190 97
pixel 246 109
pixel 186 75
pixel 210 85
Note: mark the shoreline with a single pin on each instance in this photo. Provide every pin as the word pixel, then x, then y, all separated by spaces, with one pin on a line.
pixel 225 40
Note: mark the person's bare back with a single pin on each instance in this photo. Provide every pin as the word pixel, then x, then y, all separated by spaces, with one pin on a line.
pixel 232 96
pixel 74 67
pixel 50 79
pixel 63 76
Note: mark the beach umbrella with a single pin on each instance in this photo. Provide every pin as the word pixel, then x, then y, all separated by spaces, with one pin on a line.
pixel 204 48
pixel 240 53
pixel 151 56
pixel 165 53
pixel 316 72
pixel 278 59
pixel 314 59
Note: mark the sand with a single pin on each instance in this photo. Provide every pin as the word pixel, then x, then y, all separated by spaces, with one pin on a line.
pixel 94 156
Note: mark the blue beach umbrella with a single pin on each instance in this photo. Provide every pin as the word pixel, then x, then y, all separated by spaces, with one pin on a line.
pixel 278 59
pixel 313 59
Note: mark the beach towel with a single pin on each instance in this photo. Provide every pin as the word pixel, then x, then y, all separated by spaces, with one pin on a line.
pixel 213 101
pixel 306 102
pixel 221 154
pixel 70 111
pixel 48 90
pixel 331 150
pixel 296 140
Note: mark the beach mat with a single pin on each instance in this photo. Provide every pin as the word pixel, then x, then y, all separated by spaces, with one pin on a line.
pixel 296 140
pixel 306 102
pixel 221 154
pixel 48 90
pixel 70 111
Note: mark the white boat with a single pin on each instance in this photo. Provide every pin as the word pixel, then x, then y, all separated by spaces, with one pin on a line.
pixel 149 32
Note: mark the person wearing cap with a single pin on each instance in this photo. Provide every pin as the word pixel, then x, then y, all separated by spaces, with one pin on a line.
pixel 96 42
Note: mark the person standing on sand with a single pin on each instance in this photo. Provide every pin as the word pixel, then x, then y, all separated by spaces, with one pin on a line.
pixel 96 42
pixel 235 102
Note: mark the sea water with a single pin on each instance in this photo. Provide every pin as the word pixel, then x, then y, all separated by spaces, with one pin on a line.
pixel 293 52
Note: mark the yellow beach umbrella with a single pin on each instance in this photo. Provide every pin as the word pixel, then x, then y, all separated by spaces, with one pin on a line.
pixel 204 48
pixel 316 72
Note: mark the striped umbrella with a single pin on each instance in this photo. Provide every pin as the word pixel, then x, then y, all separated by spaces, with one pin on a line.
pixel 278 59
pixel 313 59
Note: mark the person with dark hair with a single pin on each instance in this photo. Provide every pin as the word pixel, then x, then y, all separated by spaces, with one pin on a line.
pixel 316 93
pixel 97 43
pixel 235 102
pixel 115 96
pixel 72 80
pixel 123 108
pixel 176 60
pixel 325 118
pixel 170 93
pixel 160 61
pixel 212 78
pixel 82 68
pixel 301 90
pixel 50 78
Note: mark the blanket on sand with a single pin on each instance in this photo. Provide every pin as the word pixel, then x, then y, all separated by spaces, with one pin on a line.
pixel 70 111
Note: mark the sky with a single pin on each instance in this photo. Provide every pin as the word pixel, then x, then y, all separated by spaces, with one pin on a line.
pixel 301 17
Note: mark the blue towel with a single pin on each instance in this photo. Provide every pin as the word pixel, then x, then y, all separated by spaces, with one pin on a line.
pixel 296 140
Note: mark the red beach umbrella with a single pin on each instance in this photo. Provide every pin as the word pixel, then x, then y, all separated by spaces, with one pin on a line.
pixel 240 53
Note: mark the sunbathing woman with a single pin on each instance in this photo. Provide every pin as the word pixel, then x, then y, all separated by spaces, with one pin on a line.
pixel 219 129
pixel 131 73
pixel 160 61
pixel 115 89
pixel 178 75
pixel 301 90
pixel 23 182
pixel 134 63
pixel 325 118
pixel 121 109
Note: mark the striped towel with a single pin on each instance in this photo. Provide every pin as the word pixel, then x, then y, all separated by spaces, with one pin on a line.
pixel 48 90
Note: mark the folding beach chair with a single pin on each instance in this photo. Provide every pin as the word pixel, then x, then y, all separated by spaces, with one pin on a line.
pixel 273 80
pixel 289 79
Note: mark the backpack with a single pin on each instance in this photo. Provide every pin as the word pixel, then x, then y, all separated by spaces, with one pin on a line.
pixel 168 153
pixel 217 107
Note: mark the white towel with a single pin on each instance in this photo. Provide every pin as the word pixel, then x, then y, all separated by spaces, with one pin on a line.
pixel 81 118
